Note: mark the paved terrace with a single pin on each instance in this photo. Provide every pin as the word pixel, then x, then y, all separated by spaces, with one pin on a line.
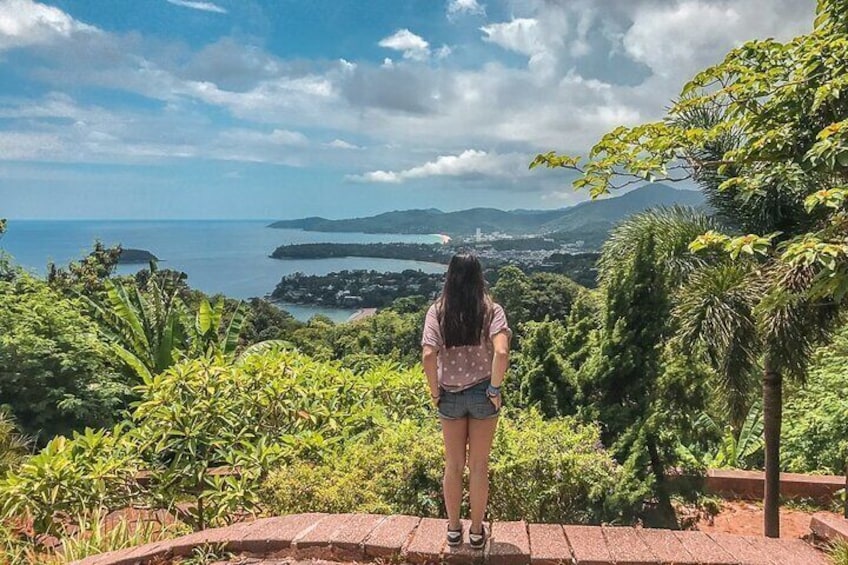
pixel 409 539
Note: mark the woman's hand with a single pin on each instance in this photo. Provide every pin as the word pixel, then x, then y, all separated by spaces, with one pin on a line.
pixel 434 399
pixel 496 400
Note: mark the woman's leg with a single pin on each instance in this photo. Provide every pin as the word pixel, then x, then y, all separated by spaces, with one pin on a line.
pixel 480 435
pixel 456 436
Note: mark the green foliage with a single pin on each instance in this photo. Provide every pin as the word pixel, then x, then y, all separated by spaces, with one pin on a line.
pixel 541 471
pixel 637 382
pixel 88 275
pixel 205 413
pixel 398 471
pixel 815 434
pixel 91 472
pixel 534 297
pixel 736 450
pixel 202 413
pixel 194 417
pixel 94 538
pixel 149 327
pixel 13 445
pixel 554 471
pixel 265 321
pixel 389 335
pixel 144 329
pixel 55 376
pixel 838 553
pixel 547 380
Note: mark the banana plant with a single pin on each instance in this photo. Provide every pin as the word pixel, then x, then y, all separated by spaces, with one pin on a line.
pixel 150 330
pixel 735 451
pixel 144 330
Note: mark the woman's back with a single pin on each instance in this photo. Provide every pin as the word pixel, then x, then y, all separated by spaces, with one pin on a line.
pixel 463 366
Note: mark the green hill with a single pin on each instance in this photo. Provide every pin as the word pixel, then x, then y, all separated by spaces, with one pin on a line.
pixel 594 216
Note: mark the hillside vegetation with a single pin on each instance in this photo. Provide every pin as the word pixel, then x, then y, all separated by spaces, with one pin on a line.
pixel 588 218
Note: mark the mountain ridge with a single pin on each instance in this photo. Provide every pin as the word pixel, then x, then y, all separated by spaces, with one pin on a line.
pixel 592 215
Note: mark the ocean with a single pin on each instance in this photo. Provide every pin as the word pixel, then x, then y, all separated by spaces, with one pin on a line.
pixel 219 256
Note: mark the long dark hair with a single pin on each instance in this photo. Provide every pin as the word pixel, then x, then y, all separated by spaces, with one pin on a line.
pixel 464 306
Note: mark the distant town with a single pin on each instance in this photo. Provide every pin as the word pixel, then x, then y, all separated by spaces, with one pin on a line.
pixel 374 289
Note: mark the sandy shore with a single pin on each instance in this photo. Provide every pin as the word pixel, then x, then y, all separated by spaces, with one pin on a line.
pixel 445 238
pixel 361 314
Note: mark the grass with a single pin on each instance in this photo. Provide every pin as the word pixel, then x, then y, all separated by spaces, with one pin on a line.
pixel 91 539
pixel 839 553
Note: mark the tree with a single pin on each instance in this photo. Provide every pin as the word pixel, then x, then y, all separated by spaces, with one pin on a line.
pixel 55 376
pixel 547 380
pixel 765 131
pixel 629 384
pixel 88 275
pixel 511 291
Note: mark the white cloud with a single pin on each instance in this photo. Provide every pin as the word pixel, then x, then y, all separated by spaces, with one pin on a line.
pixel 342 144
pixel 413 46
pixel 540 39
pixel 678 39
pixel 24 22
pixel 410 114
pixel 443 52
pixel 456 7
pixel 520 35
pixel 202 6
pixel 469 163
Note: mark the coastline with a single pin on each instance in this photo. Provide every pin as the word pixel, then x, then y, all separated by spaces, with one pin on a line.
pixel 361 314
pixel 444 237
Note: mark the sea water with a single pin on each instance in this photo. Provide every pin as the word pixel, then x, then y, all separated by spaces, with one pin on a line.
pixel 219 256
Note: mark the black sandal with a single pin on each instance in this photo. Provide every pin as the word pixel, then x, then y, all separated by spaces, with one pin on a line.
pixel 477 541
pixel 454 536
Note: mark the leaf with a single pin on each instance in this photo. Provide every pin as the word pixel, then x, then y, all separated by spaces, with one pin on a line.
pixel 203 320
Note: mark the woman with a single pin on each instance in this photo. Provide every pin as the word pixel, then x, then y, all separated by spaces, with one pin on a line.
pixel 465 354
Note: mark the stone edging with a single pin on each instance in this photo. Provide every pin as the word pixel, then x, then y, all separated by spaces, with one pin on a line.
pixel 364 537
pixel 828 527
pixel 732 483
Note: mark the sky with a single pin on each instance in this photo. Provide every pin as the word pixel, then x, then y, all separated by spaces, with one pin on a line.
pixel 337 108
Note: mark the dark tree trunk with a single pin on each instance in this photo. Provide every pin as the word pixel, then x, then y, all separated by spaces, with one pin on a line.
pixel 666 516
pixel 772 416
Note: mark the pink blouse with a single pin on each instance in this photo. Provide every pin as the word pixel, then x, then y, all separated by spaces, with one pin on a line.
pixel 463 366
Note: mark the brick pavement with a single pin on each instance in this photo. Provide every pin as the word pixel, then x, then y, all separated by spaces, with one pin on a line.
pixel 409 539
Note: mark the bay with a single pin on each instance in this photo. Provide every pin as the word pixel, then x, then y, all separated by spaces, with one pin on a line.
pixel 230 257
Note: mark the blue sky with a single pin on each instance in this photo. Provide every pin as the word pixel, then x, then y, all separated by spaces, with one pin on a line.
pixel 339 108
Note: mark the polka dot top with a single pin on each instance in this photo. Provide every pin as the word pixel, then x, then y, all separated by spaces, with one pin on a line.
pixel 464 366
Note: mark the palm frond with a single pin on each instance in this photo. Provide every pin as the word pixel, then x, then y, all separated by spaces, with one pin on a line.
pixel 715 313
pixel 672 229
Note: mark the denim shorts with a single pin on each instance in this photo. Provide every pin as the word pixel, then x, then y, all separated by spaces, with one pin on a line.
pixel 469 403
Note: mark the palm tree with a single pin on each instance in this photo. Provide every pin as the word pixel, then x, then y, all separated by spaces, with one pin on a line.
pixel 753 315
pixel 746 317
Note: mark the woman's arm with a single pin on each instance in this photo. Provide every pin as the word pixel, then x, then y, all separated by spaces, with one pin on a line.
pixel 429 356
pixel 500 360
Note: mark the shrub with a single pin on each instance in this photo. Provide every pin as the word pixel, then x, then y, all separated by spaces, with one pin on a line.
pixel 552 471
pixel 540 470
pixel 14 447
pixel 204 413
pixel 55 376
pixel 90 472
pixel 399 471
